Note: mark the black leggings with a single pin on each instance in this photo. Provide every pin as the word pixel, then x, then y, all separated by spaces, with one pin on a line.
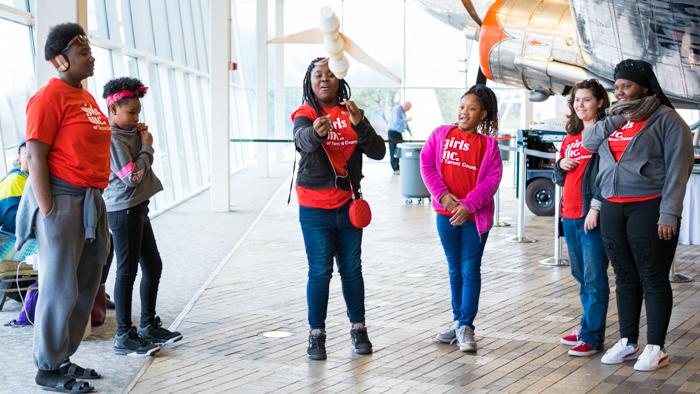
pixel 133 243
pixel 641 262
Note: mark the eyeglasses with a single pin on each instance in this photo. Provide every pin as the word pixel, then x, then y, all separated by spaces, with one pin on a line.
pixel 80 39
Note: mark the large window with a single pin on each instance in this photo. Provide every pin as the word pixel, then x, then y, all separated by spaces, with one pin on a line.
pixel 163 43
pixel 16 84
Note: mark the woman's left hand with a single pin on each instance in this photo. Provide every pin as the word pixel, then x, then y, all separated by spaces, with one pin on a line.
pixel 667 232
pixel 353 112
pixel 459 215
pixel 591 221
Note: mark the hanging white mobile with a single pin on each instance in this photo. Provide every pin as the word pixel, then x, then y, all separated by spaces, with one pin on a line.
pixel 336 44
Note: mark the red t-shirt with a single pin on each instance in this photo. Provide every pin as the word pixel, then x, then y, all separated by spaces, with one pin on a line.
pixel 572 199
pixel 339 146
pixel 462 153
pixel 618 142
pixel 70 121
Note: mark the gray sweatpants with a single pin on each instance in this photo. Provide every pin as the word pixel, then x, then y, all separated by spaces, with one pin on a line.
pixel 70 268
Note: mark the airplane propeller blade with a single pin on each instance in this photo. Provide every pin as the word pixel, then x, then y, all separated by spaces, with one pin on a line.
pixel 480 77
pixel 361 56
pixel 311 36
pixel 471 11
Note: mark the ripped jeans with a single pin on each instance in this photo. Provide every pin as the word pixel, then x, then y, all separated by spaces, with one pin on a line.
pixel 641 262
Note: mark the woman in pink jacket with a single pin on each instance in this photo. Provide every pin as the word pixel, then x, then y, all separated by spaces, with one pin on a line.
pixel 461 166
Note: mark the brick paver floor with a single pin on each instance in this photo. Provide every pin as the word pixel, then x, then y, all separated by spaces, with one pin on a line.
pixel 524 309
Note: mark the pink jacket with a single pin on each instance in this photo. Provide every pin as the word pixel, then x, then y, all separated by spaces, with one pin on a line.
pixel 480 200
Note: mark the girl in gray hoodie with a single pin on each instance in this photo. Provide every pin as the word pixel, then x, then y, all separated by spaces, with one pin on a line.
pixel 646 157
pixel 131 185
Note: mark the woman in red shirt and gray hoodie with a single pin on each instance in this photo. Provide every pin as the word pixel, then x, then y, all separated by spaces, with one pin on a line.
pixel 461 166
pixel 646 157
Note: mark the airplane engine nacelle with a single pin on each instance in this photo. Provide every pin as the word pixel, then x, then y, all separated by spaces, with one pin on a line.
pixel 531 43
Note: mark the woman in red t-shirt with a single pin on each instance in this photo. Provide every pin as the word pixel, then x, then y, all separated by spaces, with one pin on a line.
pixel 646 157
pixel 331 134
pixel 576 172
pixel 68 141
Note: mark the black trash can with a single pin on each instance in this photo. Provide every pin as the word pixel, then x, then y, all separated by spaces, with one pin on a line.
pixel 412 185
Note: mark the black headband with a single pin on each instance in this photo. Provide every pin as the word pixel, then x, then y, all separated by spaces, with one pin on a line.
pixel 633 75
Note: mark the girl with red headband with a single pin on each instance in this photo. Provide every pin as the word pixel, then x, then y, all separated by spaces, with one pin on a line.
pixel 131 185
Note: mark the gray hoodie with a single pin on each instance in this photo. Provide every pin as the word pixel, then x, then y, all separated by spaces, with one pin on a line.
pixel 658 160
pixel 131 179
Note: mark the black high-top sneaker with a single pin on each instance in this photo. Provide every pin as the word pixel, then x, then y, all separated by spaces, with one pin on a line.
pixel 360 340
pixel 317 345
pixel 131 343
pixel 155 333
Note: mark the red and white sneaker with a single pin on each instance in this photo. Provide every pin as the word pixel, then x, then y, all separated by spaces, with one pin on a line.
pixel 651 359
pixel 583 349
pixel 620 353
pixel 570 340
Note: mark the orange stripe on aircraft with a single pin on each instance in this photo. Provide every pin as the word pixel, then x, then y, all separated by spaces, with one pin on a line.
pixel 491 34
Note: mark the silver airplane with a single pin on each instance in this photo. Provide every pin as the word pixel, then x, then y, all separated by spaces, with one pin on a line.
pixel 547 45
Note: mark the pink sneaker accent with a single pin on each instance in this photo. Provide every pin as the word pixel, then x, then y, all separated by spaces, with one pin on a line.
pixel 583 349
pixel 570 340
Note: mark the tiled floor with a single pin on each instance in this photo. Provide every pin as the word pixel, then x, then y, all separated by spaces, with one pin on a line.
pixel 192 240
pixel 524 309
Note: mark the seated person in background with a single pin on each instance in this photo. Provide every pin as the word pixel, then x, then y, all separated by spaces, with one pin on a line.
pixel 11 188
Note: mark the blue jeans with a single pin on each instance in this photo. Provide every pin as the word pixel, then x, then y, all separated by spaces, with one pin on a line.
pixel 328 233
pixel 463 250
pixel 589 266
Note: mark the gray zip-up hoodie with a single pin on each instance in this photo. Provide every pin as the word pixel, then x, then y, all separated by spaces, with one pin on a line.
pixel 658 160
pixel 131 179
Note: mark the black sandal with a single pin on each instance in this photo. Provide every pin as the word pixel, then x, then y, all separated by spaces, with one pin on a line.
pixel 72 370
pixel 55 381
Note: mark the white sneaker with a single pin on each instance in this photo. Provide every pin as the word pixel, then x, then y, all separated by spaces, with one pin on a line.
pixel 651 359
pixel 465 338
pixel 620 353
pixel 448 336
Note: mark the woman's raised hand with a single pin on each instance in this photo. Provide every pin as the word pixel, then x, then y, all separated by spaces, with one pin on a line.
pixel 353 112
pixel 322 125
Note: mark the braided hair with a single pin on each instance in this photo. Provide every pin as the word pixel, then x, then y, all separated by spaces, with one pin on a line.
pixel 487 98
pixel 310 98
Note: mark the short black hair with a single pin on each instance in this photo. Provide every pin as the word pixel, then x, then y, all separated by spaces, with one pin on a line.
pixel 124 83
pixel 59 36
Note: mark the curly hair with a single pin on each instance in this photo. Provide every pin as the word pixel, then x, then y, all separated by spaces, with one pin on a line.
pixel 125 83
pixel 310 98
pixel 487 98
pixel 574 124
pixel 59 36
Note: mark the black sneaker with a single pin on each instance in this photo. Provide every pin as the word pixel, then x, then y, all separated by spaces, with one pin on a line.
pixel 131 343
pixel 317 346
pixel 108 302
pixel 155 333
pixel 360 341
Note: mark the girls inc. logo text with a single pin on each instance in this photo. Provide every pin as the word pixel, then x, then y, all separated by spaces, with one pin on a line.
pixel 573 150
